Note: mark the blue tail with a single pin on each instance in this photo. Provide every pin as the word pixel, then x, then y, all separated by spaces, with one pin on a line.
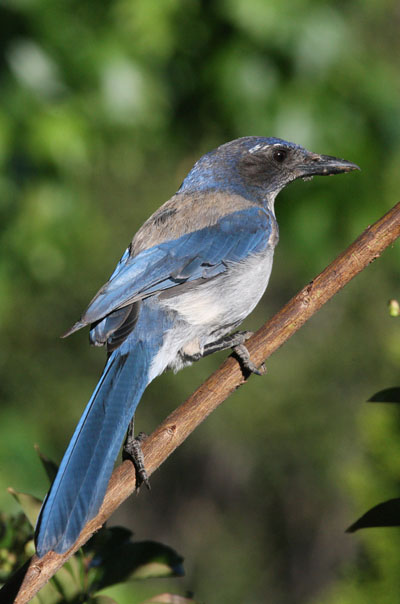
pixel 81 482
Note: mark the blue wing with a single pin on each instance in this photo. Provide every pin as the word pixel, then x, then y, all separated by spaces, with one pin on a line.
pixel 201 254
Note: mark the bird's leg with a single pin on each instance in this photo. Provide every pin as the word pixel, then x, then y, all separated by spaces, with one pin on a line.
pixel 230 341
pixel 132 450
pixel 236 342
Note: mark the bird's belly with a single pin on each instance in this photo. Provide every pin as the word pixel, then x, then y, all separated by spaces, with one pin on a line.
pixel 227 299
pixel 211 310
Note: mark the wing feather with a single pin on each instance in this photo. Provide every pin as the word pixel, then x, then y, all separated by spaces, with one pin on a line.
pixel 201 254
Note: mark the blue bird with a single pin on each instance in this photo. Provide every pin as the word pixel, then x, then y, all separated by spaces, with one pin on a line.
pixel 196 268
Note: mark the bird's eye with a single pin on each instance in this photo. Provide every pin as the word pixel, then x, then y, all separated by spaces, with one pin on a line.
pixel 280 155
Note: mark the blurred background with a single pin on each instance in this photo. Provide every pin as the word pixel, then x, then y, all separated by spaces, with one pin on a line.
pixel 104 107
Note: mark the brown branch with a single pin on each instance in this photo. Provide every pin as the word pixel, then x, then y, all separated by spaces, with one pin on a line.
pixel 177 427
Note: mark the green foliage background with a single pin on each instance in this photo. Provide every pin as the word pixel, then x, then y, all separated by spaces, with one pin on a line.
pixel 104 107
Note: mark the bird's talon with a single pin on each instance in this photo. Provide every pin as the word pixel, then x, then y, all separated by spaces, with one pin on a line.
pixel 133 450
pixel 244 358
pixel 254 369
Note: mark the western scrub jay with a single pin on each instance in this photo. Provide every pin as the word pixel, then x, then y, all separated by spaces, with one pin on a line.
pixel 196 268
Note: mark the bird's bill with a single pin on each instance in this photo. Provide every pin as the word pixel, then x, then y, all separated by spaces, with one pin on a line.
pixel 323 165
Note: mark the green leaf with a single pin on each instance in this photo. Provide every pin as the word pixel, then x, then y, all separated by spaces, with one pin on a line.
pixel 68 580
pixel 16 543
pixel 31 505
pixel 394 308
pixel 166 598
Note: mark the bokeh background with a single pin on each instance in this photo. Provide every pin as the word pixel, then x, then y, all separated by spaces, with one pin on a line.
pixel 104 107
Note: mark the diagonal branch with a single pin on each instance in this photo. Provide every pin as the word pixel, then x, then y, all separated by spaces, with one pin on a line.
pixel 177 427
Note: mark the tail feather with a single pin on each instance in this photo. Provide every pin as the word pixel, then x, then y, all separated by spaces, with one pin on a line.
pixel 79 487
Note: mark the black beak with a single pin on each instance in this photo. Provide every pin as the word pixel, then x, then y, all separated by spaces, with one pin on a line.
pixel 323 165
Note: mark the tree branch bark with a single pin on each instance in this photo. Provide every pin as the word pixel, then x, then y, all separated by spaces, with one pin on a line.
pixel 177 426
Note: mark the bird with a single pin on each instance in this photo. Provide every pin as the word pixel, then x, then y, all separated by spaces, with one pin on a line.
pixel 192 273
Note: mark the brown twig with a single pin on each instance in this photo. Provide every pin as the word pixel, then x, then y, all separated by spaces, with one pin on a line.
pixel 177 427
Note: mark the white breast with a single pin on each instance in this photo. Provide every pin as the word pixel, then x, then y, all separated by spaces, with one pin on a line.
pixel 212 310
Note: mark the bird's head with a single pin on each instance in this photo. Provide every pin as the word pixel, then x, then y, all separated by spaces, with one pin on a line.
pixel 258 168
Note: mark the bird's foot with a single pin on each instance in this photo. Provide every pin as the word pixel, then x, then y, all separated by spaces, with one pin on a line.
pixel 133 450
pixel 243 355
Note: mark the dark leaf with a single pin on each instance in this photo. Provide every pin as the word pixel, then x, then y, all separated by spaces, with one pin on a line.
pixel 50 467
pixel 115 558
pixel 383 514
pixel 389 395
